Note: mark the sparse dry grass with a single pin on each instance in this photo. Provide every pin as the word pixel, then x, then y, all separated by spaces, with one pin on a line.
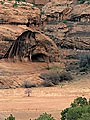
pixel 50 99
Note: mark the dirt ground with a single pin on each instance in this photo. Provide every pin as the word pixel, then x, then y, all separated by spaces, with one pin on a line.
pixel 43 99
pixel 51 100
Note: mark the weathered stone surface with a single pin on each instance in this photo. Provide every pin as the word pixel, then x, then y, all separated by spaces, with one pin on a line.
pixel 57 32
pixel 67 10
pixel 17 14
pixel 33 46
pixel 76 35
pixel 71 36
pixel 80 12
pixel 13 21
pixel 57 9
pixel 39 2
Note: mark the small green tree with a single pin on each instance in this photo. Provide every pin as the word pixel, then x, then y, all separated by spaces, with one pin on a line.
pixel 11 117
pixel 74 113
pixel 85 116
pixel 79 102
pixel 45 116
pixel 79 110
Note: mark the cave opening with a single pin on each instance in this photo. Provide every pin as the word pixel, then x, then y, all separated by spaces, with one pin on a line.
pixel 39 57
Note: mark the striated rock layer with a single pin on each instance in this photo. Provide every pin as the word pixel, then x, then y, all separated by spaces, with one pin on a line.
pixel 17 14
pixel 33 46
pixel 68 23
pixel 69 10
pixel 14 21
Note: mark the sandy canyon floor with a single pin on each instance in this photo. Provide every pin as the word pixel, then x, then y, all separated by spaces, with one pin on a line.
pixel 51 100
pixel 43 99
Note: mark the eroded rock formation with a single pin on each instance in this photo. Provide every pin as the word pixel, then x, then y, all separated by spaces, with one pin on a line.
pixel 14 21
pixel 57 32
pixel 76 33
pixel 57 10
pixel 80 13
pixel 17 14
pixel 67 10
pixel 33 46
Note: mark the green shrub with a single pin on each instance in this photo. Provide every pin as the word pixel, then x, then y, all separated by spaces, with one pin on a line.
pixel 54 78
pixel 11 117
pixel 45 116
pixel 85 116
pixel 47 83
pixel 55 69
pixel 51 78
pixel 64 21
pixel 42 12
pixel 74 113
pixel 27 84
pixel 84 62
pixel 15 4
pixel 81 1
pixel 66 76
pixel 79 102
pixel 79 110
pixel 2 2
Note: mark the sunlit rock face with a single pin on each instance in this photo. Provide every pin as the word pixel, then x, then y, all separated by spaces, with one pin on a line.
pixel 32 46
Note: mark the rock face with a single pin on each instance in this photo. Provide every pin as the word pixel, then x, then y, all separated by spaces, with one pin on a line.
pixel 57 10
pixel 33 46
pixel 9 33
pixel 71 35
pixel 79 36
pixel 80 12
pixel 75 33
pixel 39 2
pixel 57 32
pixel 13 21
pixel 17 14
pixel 61 10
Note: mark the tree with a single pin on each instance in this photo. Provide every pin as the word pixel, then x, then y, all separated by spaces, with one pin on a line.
pixel 79 102
pixel 11 117
pixel 28 92
pixel 45 116
pixel 79 110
